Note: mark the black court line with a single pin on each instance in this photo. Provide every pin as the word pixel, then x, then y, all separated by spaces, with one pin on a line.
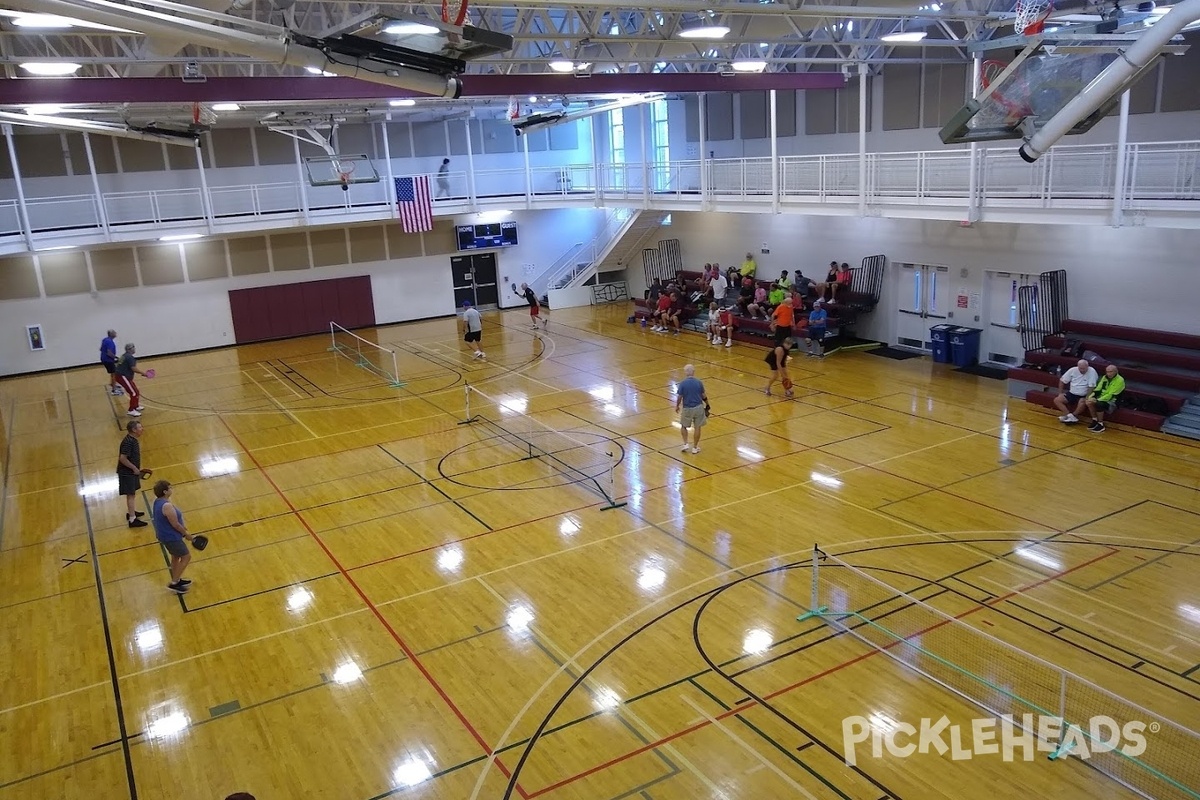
pixel 437 489
pixel 8 434
pixel 76 560
pixel 301 582
pixel 1188 673
pixel 108 642
pixel 285 373
pixel 45 597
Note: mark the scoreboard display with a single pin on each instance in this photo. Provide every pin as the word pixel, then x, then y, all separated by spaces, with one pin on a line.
pixel 491 234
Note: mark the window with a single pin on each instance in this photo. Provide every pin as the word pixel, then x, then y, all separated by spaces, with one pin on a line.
pixel 616 145
pixel 661 143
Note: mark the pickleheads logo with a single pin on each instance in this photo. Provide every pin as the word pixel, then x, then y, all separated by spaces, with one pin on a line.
pixel 1004 736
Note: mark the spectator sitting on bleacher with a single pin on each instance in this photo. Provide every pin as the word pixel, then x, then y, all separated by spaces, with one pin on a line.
pixel 838 277
pixel 662 310
pixel 749 266
pixel 805 286
pixel 784 281
pixel 1073 388
pixel 817 320
pixel 1103 399
pixel 759 307
pixel 777 295
pixel 745 296
pixel 675 312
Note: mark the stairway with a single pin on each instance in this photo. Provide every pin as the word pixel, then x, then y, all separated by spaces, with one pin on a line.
pixel 628 250
pixel 1187 421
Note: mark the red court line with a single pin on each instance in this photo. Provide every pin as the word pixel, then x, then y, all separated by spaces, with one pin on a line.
pixel 408 651
pixel 810 679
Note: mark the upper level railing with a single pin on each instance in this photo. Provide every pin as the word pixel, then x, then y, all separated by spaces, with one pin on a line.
pixel 1158 176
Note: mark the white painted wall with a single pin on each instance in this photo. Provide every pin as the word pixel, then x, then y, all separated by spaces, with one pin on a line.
pixel 1127 276
pixel 190 316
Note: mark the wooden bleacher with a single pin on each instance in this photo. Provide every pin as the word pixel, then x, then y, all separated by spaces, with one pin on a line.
pixel 1159 367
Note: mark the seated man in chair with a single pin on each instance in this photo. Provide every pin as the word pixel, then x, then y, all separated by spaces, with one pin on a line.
pixel 1103 399
pixel 1073 389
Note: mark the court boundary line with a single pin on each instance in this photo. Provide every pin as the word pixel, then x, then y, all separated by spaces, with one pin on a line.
pixel 12 412
pixel 114 677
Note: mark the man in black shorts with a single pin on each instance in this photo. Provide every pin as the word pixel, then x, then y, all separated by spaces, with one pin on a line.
pixel 130 472
pixel 777 358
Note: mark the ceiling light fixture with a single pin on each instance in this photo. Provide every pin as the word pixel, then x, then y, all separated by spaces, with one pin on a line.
pixel 705 32
pixel 181 237
pixel 403 103
pixel 44 110
pixel 50 68
pixel 409 29
pixel 749 66
pixel 318 71
pixel 904 36
pixel 226 107
pixel 41 21
pixel 562 65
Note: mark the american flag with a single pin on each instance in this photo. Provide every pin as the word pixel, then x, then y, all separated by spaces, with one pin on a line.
pixel 416 210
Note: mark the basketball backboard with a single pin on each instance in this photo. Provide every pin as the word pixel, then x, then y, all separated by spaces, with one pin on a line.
pixel 340 170
pixel 1017 97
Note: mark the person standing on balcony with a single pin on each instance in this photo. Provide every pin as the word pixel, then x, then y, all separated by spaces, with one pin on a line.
pixel 443 178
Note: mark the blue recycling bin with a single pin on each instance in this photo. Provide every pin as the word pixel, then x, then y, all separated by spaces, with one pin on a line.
pixel 940 336
pixel 964 346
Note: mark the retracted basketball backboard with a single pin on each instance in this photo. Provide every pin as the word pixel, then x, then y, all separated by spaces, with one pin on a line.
pixel 1017 97
pixel 340 170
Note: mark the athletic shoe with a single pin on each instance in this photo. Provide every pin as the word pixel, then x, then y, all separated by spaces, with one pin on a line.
pixel 476 354
pixel 183 582
pixel 811 355
pixel 1071 419
pixel 788 393
pixel 695 450
pixel 1065 418
pixel 179 587
pixel 116 392
pixel 134 413
pixel 136 523
pixel 139 513
pixel 729 342
pixel 767 392
pixel 685 447
pixel 1096 427
pixel 483 355
pixel 141 408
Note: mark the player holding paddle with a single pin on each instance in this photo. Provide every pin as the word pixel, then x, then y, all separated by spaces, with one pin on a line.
pixel 535 308
pixel 126 368
pixel 170 532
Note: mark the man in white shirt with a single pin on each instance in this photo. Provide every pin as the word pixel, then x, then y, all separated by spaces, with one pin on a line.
pixel 718 287
pixel 472 329
pixel 1073 389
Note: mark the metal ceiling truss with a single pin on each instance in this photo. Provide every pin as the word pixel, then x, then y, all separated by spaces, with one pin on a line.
pixel 607 38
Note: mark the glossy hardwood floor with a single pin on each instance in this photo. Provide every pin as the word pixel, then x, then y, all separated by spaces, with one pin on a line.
pixel 395 604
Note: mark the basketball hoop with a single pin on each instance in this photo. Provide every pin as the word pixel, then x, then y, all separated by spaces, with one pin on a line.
pixel 459 16
pixel 345 171
pixel 989 71
pixel 1031 16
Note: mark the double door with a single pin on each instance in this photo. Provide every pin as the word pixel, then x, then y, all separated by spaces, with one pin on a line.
pixel 475 279
pixel 924 295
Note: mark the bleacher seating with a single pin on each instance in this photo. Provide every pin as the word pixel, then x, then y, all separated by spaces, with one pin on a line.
pixel 1161 369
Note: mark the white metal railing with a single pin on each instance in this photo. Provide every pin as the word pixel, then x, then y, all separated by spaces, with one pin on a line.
pixel 1158 175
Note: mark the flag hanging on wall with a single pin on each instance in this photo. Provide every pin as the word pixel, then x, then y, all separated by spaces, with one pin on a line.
pixel 416 210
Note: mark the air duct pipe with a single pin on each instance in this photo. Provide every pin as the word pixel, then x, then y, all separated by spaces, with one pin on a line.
pixel 1112 80
pixel 279 48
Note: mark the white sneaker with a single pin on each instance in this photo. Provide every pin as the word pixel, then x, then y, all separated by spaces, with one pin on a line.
pixel 141 408
pixel 1071 418
pixel 483 355
pixel 1065 418
pixel 134 413
pixel 685 447
pixel 695 449
pixel 729 342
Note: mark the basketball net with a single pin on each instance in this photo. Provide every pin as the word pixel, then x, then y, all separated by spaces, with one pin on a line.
pixel 460 14
pixel 514 109
pixel 1031 16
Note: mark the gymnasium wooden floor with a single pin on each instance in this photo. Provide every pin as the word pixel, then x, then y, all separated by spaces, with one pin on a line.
pixel 397 605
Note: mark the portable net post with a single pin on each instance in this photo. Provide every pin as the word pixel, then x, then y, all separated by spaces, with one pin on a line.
pixel 370 356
